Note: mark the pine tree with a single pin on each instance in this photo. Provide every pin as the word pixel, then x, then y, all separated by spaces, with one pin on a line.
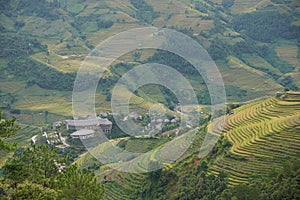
pixel 7 128
pixel 77 183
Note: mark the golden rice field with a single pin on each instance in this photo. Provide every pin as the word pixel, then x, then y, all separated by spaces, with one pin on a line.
pixel 263 134
pixel 64 64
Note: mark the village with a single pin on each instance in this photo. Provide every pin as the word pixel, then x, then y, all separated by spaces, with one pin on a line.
pixel 66 133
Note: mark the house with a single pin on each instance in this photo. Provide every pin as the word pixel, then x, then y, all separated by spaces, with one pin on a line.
pixel 91 124
pixel 83 134
pixel 103 114
pixel 56 124
pixel 167 121
pixel 173 121
pixel 135 116
pixel 159 121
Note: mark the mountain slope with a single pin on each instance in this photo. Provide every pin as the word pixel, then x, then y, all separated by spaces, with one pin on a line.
pixel 263 135
pixel 258 139
pixel 253 64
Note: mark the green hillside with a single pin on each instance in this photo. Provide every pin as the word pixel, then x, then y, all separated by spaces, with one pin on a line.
pixel 260 137
pixel 53 38
pixel 263 135
pixel 256 47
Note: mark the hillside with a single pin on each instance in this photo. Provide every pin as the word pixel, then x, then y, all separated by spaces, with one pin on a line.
pixel 262 136
pixel 45 43
pixel 255 45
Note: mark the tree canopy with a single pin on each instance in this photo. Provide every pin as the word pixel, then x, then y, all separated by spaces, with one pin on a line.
pixel 7 128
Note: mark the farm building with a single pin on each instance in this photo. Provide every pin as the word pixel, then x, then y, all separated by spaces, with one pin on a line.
pixel 83 133
pixel 92 123
pixel 56 124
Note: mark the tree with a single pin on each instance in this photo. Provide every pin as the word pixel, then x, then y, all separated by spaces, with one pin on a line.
pixel 227 3
pixel 244 192
pixel 35 173
pixel 28 190
pixel 7 128
pixel 77 183
pixel 38 164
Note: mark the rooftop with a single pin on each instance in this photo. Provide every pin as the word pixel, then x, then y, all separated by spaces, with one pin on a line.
pixel 88 122
pixel 83 132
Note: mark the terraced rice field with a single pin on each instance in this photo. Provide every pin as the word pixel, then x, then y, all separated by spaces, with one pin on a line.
pixel 120 185
pixel 263 135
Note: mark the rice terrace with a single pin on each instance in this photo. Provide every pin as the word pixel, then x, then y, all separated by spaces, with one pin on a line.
pixel 79 122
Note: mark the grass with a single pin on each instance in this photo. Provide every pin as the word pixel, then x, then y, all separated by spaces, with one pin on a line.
pixel 217 1
pixel 36 26
pixel 4 155
pixel 96 38
pixel 183 15
pixel 11 86
pixel 74 8
pixel 256 83
pixel 260 63
pixel 289 54
pixel 143 145
pixel 36 99
pixel 135 103
pixel 6 22
pixel 241 6
pixel 64 64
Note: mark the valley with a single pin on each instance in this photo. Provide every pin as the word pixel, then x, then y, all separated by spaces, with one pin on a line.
pixel 248 148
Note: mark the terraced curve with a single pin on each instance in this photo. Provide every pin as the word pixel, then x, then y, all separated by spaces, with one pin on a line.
pixel 263 135
pixel 121 185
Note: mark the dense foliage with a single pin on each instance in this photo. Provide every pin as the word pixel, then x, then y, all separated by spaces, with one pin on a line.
pixel 187 70
pixel 81 22
pixel 144 12
pixel 7 128
pixel 193 181
pixel 39 173
pixel 17 45
pixel 266 26
pixel 37 73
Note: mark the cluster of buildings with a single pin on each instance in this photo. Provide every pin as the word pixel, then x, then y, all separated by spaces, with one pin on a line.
pixel 158 123
pixel 85 127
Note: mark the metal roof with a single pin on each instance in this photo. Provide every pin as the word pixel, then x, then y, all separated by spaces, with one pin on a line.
pixel 88 122
pixel 83 132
